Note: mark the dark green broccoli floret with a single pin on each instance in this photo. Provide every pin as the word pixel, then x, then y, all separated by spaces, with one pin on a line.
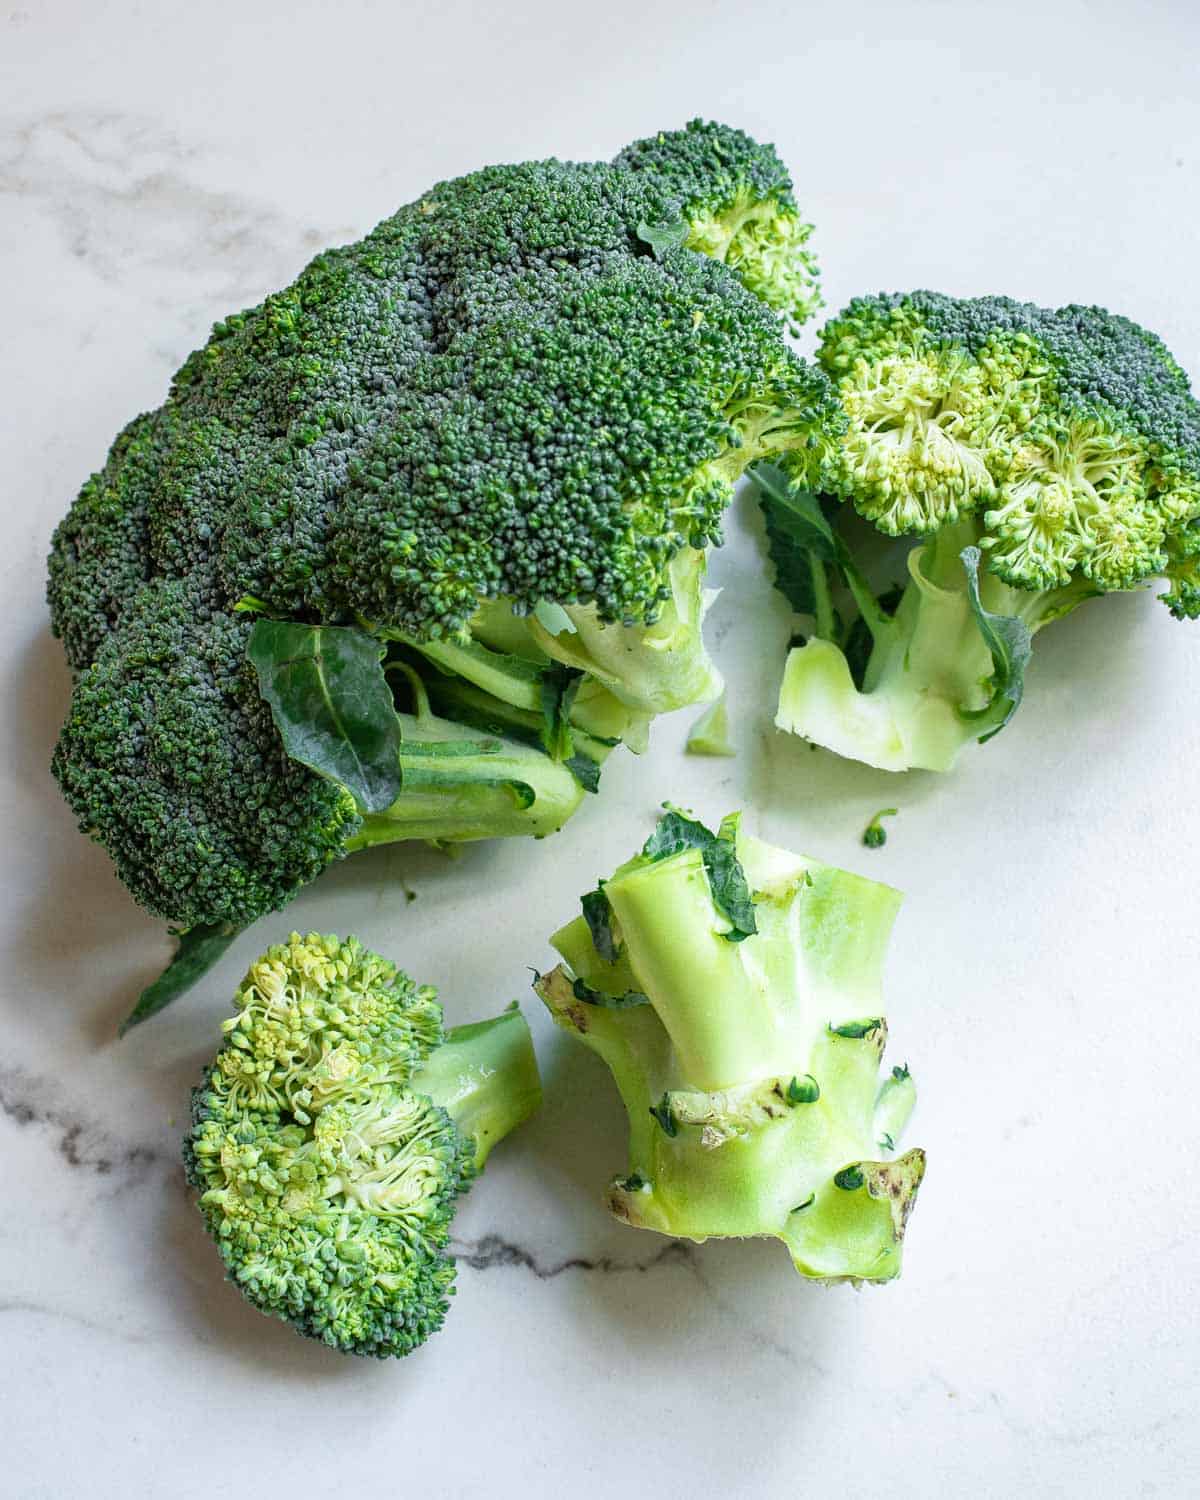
pixel 1045 456
pixel 736 200
pixel 498 435
pixel 333 1133
pixel 169 753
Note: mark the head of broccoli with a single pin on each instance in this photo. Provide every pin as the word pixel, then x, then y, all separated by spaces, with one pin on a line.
pixel 493 441
pixel 333 1133
pixel 734 991
pixel 1039 458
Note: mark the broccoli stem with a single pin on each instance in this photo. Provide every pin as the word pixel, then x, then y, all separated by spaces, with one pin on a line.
pixel 459 787
pixel 929 670
pixel 649 668
pixel 485 1076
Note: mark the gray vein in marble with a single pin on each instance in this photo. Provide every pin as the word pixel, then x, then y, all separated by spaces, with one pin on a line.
pixel 491 1251
pixel 16 1306
pixel 126 197
pixel 80 1143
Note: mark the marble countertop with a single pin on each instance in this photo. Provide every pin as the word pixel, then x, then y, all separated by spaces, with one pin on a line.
pixel 163 164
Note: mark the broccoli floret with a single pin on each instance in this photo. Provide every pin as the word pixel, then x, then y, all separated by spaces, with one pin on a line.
pixel 1044 457
pixel 737 206
pixel 497 436
pixel 734 991
pixel 333 1133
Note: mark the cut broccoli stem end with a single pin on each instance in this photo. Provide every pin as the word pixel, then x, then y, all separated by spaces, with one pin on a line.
pixel 485 1076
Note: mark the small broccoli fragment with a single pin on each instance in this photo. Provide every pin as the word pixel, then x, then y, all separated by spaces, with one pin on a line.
pixel 709 735
pixel 490 444
pixel 333 1133
pixel 875 834
pixel 749 1068
pixel 1040 458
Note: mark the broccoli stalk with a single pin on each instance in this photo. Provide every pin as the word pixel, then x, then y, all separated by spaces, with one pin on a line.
pixel 1039 458
pixel 738 1008
pixel 333 1133
pixel 945 667
pixel 460 783
pixel 484 1075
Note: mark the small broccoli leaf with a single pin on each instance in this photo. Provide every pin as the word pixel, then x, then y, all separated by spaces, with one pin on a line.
pixel 592 996
pixel 585 771
pixel 855 1030
pixel 804 1090
pixel 559 684
pixel 199 949
pixel 332 705
pixel 1011 645
pixel 726 878
pixel 597 913
pixel 802 544
pixel 797 513
pixel 663 1114
pixel 663 237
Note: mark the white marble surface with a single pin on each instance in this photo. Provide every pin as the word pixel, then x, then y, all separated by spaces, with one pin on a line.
pixel 162 164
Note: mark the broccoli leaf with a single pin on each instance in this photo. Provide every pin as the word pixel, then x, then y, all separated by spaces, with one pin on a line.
pixel 1011 645
pixel 332 705
pixel 727 880
pixel 585 771
pixel 592 996
pixel 598 915
pixel 559 684
pixel 800 539
pixel 199 949
pixel 663 237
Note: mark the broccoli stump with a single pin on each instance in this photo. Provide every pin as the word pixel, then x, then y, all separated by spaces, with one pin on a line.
pixel 734 991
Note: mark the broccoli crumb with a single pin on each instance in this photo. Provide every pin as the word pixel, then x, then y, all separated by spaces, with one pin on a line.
pixel 875 834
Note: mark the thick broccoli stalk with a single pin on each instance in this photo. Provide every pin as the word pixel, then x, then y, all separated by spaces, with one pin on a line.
pixel 734 991
pixel 1043 458
pixel 496 438
pixel 333 1133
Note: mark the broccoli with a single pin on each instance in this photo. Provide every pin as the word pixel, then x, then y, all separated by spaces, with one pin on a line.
pixel 733 989
pixel 1041 457
pixel 414 543
pixel 874 835
pixel 333 1133
pixel 709 735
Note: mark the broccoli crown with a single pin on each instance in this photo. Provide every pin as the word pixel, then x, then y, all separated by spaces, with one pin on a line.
pixel 501 391
pixel 1071 434
pixel 505 391
pixel 737 203
pixel 733 989
pixel 327 1173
